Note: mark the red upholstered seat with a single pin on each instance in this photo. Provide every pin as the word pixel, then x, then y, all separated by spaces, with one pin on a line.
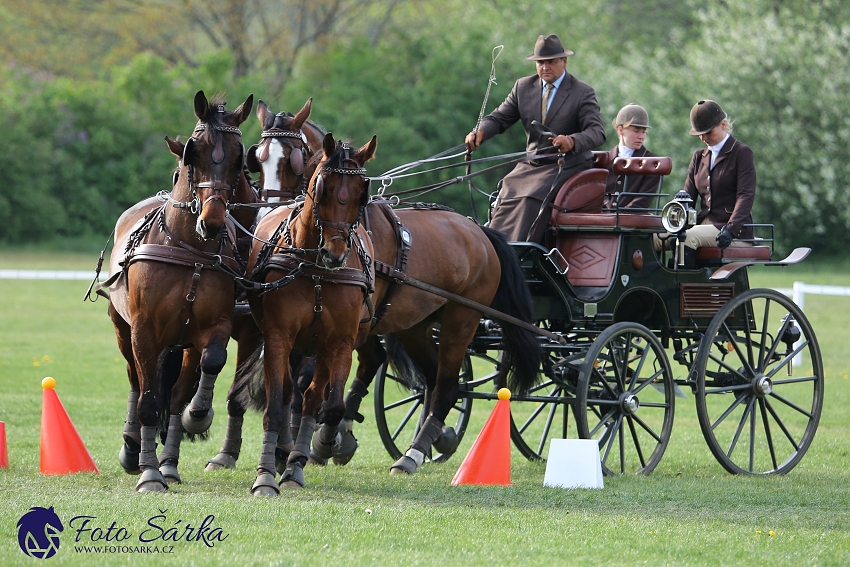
pixel 583 192
pixel 734 253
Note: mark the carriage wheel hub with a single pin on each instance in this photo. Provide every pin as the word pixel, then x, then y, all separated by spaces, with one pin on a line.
pixel 630 404
pixel 763 386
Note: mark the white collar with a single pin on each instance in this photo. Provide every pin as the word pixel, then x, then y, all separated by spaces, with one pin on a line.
pixel 716 148
pixel 625 151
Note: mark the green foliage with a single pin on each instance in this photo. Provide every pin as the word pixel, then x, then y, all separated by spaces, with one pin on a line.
pixel 75 154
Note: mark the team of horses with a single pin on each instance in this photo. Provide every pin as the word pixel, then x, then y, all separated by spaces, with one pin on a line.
pixel 301 271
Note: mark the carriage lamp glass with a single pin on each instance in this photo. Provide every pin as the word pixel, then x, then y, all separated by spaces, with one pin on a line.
pixel 678 215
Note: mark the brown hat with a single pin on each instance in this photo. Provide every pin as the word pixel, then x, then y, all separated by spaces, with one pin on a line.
pixel 706 115
pixel 549 47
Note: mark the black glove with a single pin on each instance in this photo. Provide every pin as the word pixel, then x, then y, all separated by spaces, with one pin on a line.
pixel 724 238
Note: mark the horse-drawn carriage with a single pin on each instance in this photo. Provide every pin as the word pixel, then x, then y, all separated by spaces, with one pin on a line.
pixel 609 306
pixel 628 314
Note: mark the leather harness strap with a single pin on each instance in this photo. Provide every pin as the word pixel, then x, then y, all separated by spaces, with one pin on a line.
pixel 402 250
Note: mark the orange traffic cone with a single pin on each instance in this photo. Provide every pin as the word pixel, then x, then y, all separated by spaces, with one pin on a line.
pixel 489 459
pixel 62 449
pixel 4 453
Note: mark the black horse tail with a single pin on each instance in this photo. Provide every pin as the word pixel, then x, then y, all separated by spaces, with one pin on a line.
pixel 522 354
pixel 402 365
pixel 249 382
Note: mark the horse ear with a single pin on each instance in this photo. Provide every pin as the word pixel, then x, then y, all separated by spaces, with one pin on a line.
pixel 189 152
pixel 262 113
pixel 329 145
pixel 252 161
pixel 367 152
pixel 243 111
pixel 175 147
pixel 202 107
pixel 302 115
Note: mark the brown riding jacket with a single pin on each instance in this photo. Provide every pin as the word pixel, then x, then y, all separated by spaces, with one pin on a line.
pixel 635 184
pixel 574 111
pixel 727 192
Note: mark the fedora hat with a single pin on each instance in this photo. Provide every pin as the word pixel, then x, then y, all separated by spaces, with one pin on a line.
pixel 549 47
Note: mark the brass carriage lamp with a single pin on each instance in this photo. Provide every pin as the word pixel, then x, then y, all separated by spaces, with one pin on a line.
pixel 677 217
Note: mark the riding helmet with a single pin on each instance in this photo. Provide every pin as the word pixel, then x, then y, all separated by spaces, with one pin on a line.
pixel 705 116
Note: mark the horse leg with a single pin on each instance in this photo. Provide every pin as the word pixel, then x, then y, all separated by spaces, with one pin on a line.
pixel 314 396
pixel 128 455
pixel 198 415
pixel 327 441
pixel 180 394
pixel 149 408
pixel 278 380
pixel 370 356
pixel 456 331
pixel 249 339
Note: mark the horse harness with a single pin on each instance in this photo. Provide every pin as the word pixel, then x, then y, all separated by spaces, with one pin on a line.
pixel 283 258
pixel 299 154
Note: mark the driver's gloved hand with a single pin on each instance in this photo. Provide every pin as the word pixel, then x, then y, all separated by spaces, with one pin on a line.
pixel 724 238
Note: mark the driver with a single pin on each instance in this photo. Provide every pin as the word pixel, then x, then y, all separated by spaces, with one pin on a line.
pixel 564 105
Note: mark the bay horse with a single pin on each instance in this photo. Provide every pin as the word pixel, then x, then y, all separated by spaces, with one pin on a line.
pixel 454 253
pixel 321 309
pixel 283 160
pixel 172 281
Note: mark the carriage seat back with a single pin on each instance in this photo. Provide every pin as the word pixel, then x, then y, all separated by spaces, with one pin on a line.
pixel 583 192
pixel 642 166
pixel 602 160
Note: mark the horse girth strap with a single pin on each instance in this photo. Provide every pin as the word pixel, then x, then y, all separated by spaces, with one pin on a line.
pixel 181 257
pixel 343 276
pixel 391 273
pixel 402 249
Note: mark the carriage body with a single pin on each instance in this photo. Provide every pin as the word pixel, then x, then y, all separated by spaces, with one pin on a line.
pixel 639 331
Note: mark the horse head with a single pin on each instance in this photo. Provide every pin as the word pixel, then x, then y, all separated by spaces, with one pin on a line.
pixel 212 159
pixel 339 192
pixel 283 153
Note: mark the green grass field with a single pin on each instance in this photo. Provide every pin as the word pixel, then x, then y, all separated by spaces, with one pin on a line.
pixel 688 512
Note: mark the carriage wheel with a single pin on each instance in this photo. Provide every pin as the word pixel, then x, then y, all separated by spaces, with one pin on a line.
pixel 543 413
pixel 757 410
pixel 400 411
pixel 626 399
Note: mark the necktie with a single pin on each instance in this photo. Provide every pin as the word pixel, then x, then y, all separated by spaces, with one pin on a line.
pixel 545 104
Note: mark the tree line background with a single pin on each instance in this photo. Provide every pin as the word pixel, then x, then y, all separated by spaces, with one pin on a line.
pixel 89 88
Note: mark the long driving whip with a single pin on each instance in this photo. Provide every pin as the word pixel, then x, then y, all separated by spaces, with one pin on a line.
pixel 490 82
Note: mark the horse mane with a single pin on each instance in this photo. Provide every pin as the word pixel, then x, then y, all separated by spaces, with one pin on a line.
pixel 335 160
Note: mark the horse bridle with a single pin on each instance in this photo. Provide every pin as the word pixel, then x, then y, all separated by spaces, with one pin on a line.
pixel 217 186
pixel 297 158
pixel 345 230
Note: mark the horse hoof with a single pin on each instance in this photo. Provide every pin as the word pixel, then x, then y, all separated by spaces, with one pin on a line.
pixel 265 485
pixel 129 460
pixel 322 449
pixel 293 477
pixel 405 465
pixel 344 451
pixel 196 424
pixel 315 459
pixel 151 481
pixel 447 442
pixel 169 472
pixel 221 461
